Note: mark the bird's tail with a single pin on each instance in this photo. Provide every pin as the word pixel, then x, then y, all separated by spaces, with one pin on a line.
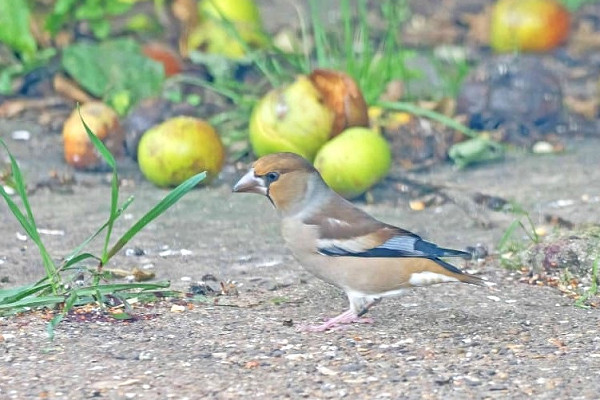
pixel 456 253
pixel 471 279
pixel 460 275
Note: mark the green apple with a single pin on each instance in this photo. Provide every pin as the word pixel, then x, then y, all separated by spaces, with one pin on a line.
pixel 178 149
pixel 293 118
pixel 353 161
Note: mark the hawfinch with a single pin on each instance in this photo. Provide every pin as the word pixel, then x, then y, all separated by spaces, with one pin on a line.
pixel 343 245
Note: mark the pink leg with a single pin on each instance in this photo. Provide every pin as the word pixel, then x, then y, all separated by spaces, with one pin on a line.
pixel 334 323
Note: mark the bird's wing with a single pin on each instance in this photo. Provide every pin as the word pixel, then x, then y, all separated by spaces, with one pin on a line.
pixel 345 230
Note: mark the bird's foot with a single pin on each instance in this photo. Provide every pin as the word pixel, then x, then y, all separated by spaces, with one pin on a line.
pixel 336 323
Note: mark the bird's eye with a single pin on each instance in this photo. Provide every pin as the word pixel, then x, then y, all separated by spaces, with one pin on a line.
pixel 272 177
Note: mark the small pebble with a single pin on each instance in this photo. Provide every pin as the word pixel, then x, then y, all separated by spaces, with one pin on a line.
pixel 21 135
pixel 165 253
pixel 326 371
pixel 177 308
pixel 351 367
pixel 9 190
pixel 542 147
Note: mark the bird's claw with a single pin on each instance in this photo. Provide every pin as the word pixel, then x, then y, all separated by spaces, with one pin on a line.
pixel 337 323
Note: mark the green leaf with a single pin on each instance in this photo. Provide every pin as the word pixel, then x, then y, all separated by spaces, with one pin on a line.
pixel 423 112
pixel 122 316
pixel 89 10
pixel 17 68
pixel 100 28
pixel 52 324
pixel 62 7
pixel 474 151
pixel 14 27
pixel 112 67
pixel 117 7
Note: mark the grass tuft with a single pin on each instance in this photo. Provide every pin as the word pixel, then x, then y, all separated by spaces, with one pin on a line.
pixel 61 286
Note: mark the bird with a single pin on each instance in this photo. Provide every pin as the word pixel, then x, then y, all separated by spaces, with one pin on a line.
pixel 342 244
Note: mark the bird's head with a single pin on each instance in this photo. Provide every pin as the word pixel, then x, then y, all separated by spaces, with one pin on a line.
pixel 285 178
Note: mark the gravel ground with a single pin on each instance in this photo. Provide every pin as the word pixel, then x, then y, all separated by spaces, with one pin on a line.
pixel 512 340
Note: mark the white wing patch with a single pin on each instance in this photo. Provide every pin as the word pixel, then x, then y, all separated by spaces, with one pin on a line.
pixel 401 243
pixel 334 222
pixel 427 278
pixel 350 246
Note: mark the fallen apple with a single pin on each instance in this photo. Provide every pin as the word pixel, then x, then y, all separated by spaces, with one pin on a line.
pixel 292 118
pixel 104 123
pixel 234 10
pixel 353 161
pixel 343 96
pixel 163 54
pixel 179 148
pixel 212 35
pixel 528 25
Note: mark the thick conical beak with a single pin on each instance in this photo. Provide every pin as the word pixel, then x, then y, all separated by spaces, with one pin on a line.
pixel 250 183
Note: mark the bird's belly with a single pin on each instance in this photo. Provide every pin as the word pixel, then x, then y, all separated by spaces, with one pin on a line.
pixel 375 276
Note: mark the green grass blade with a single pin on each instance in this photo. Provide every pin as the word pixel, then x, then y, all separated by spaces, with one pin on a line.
pixel 593 289
pixel 365 35
pixel 5 293
pixel 158 209
pixel 32 303
pixel 319 35
pixel 232 95
pixel 114 199
pixel 348 36
pixel 52 324
pixel 20 188
pixel 104 152
pixel 305 61
pixel 26 221
pixel 14 296
pixel 29 229
pixel 77 259
pixel 502 244
pixel 117 287
pixel 114 193
pixel 79 248
pixel 70 302
pixel 422 112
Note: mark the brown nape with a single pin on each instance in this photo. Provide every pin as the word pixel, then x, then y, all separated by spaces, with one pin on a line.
pixel 282 163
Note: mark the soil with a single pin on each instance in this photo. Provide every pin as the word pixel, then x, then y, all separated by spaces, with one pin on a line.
pixel 511 340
